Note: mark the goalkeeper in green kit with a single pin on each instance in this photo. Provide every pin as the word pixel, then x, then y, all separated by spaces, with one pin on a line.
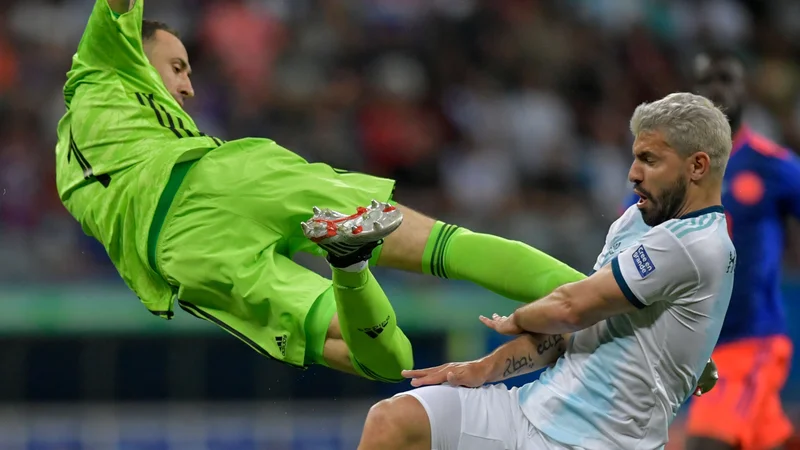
pixel 185 216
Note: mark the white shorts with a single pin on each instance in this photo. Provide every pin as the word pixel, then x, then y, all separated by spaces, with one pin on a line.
pixel 486 418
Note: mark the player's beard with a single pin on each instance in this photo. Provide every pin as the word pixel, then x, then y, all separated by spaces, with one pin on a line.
pixel 667 205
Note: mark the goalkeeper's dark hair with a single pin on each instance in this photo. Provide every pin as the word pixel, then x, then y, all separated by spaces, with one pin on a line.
pixel 149 28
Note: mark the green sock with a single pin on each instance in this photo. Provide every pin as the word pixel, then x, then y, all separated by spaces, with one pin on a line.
pixel 378 348
pixel 509 268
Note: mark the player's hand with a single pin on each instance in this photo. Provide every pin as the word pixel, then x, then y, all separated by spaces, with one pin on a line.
pixel 468 374
pixel 708 379
pixel 502 324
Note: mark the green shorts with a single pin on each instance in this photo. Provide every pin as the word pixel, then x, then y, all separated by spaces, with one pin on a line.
pixel 225 232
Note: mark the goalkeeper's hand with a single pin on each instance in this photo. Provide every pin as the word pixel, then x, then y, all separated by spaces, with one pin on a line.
pixel 708 379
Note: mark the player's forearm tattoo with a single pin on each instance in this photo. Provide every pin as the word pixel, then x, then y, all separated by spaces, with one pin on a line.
pixel 549 343
pixel 516 365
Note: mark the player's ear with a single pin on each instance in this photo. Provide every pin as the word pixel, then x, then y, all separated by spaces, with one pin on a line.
pixel 699 165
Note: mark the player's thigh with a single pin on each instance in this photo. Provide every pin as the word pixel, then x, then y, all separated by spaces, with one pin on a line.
pixel 398 423
pixel 733 411
pixel 277 189
pixel 774 427
pixel 325 187
pixel 716 415
pixel 725 413
pixel 335 352
pixel 487 418
pixel 536 440
pixel 230 271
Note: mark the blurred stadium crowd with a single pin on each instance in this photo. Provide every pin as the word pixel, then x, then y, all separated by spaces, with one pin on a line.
pixel 508 116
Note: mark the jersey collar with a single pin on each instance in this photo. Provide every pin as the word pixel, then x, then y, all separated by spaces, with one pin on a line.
pixel 700 212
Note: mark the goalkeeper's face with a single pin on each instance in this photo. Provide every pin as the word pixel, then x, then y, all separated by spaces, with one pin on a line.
pixel 659 176
pixel 168 55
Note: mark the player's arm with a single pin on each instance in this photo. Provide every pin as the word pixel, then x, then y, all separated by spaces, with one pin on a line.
pixel 576 306
pixel 525 354
pixel 113 36
pixel 789 173
pixel 657 269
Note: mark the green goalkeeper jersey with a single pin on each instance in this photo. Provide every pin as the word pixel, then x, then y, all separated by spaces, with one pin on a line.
pixel 117 143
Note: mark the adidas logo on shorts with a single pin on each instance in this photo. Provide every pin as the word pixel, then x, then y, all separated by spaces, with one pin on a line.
pixel 281 341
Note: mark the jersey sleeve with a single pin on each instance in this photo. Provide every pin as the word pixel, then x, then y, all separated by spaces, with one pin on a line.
pixel 789 174
pixel 606 247
pixel 610 246
pixel 658 268
pixel 111 40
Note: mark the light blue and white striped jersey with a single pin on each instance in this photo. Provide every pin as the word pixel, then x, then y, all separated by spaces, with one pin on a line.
pixel 622 380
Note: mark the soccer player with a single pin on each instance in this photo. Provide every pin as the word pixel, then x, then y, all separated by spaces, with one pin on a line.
pixel 634 335
pixel 761 190
pixel 214 224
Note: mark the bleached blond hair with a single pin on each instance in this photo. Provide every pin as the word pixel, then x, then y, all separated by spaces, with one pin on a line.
pixel 690 123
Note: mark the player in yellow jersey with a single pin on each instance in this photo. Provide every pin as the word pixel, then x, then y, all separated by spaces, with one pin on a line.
pixel 214 224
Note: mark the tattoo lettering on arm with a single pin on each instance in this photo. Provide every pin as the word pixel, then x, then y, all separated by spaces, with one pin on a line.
pixel 525 354
pixel 549 343
pixel 515 365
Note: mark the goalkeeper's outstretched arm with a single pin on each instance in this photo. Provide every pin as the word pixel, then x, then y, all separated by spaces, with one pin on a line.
pixel 112 39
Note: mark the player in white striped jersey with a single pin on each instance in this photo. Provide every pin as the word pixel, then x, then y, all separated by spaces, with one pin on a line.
pixel 629 343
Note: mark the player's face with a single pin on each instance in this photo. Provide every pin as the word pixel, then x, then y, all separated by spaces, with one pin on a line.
pixel 659 177
pixel 723 82
pixel 168 55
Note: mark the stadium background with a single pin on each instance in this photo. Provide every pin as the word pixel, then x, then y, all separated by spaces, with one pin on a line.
pixel 507 116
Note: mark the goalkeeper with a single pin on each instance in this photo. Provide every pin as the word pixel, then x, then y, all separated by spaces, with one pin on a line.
pixel 214 224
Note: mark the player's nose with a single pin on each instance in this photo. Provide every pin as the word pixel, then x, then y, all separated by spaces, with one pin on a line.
pixel 635 174
pixel 187 90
